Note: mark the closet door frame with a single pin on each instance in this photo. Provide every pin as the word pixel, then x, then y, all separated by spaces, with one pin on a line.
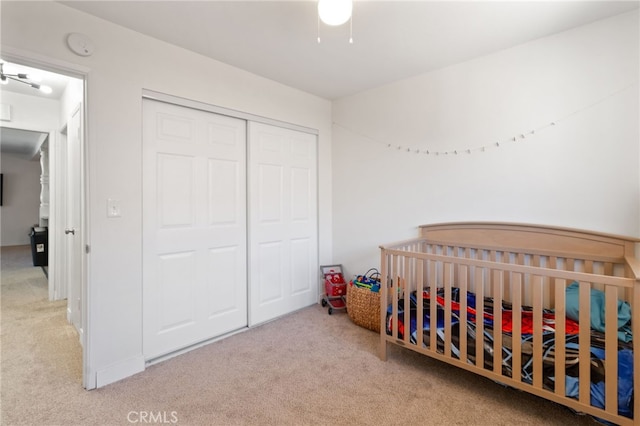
pixel 170 99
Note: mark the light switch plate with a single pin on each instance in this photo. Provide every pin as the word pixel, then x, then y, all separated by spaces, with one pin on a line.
pixel 113 208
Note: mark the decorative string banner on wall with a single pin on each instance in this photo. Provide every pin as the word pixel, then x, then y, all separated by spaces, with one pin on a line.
pixel 519 137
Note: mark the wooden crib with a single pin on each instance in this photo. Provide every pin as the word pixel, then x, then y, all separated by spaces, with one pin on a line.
pixel 465 279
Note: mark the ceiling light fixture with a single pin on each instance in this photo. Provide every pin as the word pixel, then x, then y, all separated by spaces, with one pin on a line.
pixel 22 78
pixel 335 13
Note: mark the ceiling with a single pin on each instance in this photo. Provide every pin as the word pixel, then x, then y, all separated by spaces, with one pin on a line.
pixel 21 143
pixel 393 40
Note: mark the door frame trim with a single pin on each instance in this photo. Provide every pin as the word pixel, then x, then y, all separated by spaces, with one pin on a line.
pixel 36 60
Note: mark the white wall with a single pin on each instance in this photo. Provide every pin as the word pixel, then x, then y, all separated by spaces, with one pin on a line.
pixel 21 199
pixel 72 96
pixel 31 112
pixel 125 63
pixel 580 173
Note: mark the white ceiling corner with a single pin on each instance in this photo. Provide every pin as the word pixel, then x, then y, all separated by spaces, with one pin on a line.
pixel 393 40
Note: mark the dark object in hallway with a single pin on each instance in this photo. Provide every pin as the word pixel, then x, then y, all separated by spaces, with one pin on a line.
pixel 39 242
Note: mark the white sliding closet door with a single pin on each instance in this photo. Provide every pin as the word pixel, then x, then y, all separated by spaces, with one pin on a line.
pixel 194 227
pixel 283 222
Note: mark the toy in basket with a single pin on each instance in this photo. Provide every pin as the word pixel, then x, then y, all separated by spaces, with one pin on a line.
pixel 335 287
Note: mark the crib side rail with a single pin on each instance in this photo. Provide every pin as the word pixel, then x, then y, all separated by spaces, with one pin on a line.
pixel 412 265
pixel 536 239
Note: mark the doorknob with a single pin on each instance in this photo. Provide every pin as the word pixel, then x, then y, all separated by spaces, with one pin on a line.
pixel 70 231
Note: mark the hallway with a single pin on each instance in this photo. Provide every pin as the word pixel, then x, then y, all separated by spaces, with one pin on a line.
pixel 40 349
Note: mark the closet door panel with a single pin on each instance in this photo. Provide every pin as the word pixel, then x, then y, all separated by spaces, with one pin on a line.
pixel 282 214
pixel 270 278
pixel 270 193
pixel 194 227
pixel 223 264
pixel 176 288
pixel 301 251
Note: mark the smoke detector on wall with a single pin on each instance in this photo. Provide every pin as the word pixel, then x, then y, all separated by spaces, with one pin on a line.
pixel 80 44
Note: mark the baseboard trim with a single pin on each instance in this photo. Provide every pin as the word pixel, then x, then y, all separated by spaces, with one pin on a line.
pixel 119 371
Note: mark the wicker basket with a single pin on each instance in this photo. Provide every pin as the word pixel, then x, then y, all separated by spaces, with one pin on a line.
pixel 363 307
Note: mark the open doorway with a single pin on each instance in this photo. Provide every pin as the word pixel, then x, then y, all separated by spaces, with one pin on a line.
pixel 42 133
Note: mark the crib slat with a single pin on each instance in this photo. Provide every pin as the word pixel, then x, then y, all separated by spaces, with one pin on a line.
pixel 498 279
pixel 407 299
pixel 455 253
pixel 507 278
pixel 516 283
pixel 584 343
pixel 462 284
pixel 560 341
pixel 395 291
pixel 433 320
pixel 536 260
pixel 479 279
pixel 611 349
pixel 447 307
pixel 588 266
pixel 550 296
pixel 419 302
pixel 537 284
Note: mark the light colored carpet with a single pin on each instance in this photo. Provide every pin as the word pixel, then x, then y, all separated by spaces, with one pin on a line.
pixel 307 368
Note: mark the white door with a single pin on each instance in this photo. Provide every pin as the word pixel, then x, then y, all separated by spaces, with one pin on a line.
pixel 283 221
pixel 194 227
pixel 73 238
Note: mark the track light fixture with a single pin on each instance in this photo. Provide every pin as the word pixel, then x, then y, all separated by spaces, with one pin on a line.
pixel 22 78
